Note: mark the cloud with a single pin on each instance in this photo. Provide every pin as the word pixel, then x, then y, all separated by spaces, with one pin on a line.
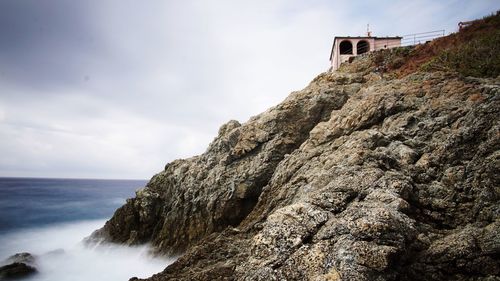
pixel 116 89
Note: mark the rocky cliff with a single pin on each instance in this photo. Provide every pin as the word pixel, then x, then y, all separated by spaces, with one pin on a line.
pixel 359 176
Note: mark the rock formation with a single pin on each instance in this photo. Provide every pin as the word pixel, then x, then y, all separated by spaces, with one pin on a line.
pixel 356 177
pixel 18 266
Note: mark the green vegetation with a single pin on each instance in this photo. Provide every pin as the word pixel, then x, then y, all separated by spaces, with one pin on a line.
pixel 480 57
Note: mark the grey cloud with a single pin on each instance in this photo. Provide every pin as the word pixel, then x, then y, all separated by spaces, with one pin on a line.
pixel 42 42
pixel 117 88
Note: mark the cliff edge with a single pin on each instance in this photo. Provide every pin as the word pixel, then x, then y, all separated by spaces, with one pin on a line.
pixel 359 176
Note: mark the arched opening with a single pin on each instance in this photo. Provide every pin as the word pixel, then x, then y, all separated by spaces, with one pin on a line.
pixel 345 48
pixel 362 47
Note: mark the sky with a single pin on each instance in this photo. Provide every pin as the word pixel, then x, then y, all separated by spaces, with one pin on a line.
pixel 119 88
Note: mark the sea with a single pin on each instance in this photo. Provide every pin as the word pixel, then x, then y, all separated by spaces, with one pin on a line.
pixel 49 218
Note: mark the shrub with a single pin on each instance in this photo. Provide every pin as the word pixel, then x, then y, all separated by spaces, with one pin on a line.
pixel 479 57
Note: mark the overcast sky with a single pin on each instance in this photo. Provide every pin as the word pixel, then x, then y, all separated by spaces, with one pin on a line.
pixel 118 88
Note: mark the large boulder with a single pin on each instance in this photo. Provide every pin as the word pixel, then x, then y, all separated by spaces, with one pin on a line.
pixel 21 258
pixel 18 266
pixel 16 270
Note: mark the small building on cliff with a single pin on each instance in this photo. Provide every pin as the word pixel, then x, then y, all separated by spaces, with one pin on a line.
pixel 345 47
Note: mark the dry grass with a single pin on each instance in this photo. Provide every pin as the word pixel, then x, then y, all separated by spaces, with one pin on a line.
pixel 474 51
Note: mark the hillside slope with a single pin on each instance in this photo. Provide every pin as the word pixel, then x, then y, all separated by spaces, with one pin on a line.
pixel 356 177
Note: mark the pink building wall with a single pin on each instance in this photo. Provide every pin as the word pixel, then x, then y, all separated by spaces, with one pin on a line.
pixel 375 43
pixel 387 43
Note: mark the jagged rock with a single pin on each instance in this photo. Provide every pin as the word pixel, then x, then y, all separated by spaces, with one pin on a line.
pixel 356 177
pixel 219 188
pixel 16 270
pixel 21 258
pixel 18 266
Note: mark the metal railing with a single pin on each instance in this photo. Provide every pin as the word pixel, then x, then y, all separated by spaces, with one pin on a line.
pixel 422 37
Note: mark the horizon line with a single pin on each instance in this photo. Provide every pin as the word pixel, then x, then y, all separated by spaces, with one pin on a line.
pixel 67 178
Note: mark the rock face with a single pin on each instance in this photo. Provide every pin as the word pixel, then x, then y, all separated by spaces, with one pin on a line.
pixel 16 270
pixel 219 188
pixel 18 266
pixel 21 258
pixel 356 177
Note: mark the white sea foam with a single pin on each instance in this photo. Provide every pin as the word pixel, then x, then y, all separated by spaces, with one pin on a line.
pixel 77 262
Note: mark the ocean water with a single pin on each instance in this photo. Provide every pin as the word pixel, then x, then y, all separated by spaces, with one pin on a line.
pixel 50 217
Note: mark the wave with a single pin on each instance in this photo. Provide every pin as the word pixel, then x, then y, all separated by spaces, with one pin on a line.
pixel 61 255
